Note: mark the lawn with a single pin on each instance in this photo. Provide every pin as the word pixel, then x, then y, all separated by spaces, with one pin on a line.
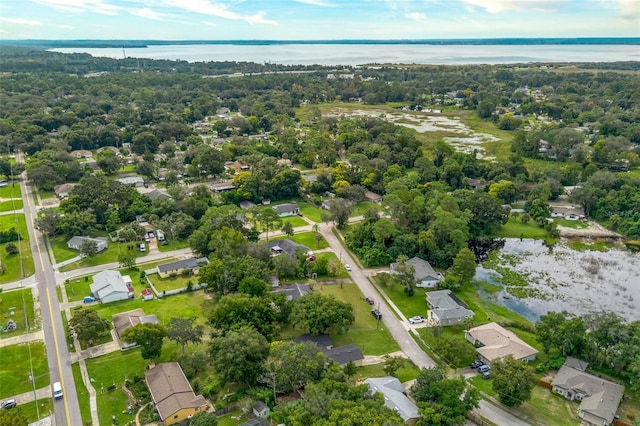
pixel 310 211
pixel 362 332
pixel 574 224
pixel 60 250
pixel 16 366
pixel 44 194
pixel 11 301
pixel 408 372
pixel 306 238
pixel 109 255
pixel 11 262
pixel 11 191
pixel 410 306
pixel 486 311
pixel 28 409
pixel 165 284
pixel 295 221
pixel 516 229
pixel 7 206
pixel 173 245
pixel 83 394
pixel 364 206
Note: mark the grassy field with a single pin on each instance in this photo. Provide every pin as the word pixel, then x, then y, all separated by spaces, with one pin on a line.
pixel 60 250
pixel 603 246
pixel 11 262
pixel 408 372
pixel 363 332
pixel 310 211
pixel 7 206
pixel 15 368
pixel 516 229
pixel 364 206
pixel 295 221
pixel 11 301
pixel 173 245
pixel 28 409
pixel 306 238
pixel 83 394
pixel 165 284
pixel 574 224
pixel 11 191
pixel 409 305
pixel 46 194
pixel 109 255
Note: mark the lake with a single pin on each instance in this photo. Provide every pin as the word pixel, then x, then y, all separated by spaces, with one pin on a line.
pixel 357 54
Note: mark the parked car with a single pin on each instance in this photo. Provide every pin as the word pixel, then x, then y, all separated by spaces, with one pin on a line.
pixel 88 299
pixel 416 320
pixel 486 375
pixel 347 267
pixel 376 313
pixel 143 248
pixel 483 369
pixel 370 301
pixel 146 238
pixel 9 403
pixel 476 364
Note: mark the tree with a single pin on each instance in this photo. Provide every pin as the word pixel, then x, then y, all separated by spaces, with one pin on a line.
pixel 287 228
pixel 238 356
pixel 512 380
pixel 339 211
pixel 350 369
pixel 108 161
pixel 12 418
pixel 88 325
pixel 392 364
pixel 204 419
pixel 464 265
pixel 127 259
pixel 267 218
pixel 238 310
pixel 184 331
pixel 253 286
pixel 11 248
pixel 148 336
pixel 48 221
pixel 562 333
pixel 88 248
pixel 317 313
pixel 404 274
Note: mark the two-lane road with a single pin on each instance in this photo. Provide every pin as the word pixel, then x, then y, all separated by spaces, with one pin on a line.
pixel 67 410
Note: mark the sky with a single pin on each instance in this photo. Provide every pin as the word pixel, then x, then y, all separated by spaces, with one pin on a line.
pixel 316 19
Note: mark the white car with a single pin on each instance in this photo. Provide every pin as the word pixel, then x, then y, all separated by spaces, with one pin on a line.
pixel 416 320
pixel 347 267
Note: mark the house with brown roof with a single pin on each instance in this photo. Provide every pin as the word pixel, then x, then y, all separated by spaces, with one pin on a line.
pixel 496 342
pixel 125 320
pixel 81 153
pixel 172 394
pixel 599 398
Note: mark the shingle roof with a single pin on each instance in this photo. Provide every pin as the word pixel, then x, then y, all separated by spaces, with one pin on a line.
pixel 603 396
pixel 293 292
pixel 445 305
pixel 124 320
pixel 394 397
pixel 107 282
pixel 422 268
pixel 191 263
pixel 171 390
pixel 287 246
pixel 341 354
pixel 285 208
pixel 499 342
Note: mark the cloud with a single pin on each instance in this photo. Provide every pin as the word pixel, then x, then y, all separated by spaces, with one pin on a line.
pixel 316 3
pixel 497 6
pixel 145 12
pixel 416 16
pixel 210 24
pixel 95 6
pixel 629 9
pixel 206 7
pixel 20 21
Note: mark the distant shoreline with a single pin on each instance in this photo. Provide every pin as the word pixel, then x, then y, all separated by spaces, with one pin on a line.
pixel 479 42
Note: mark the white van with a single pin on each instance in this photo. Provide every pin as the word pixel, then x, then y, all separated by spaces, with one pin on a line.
pixel 143 248
pixel 57 390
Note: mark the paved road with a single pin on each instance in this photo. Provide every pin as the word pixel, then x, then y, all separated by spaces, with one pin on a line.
pixel 67 410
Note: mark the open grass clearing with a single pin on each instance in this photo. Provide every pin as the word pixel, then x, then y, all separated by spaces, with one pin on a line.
pixel 83 394
pixel 110 255
pixel 11 191
pixel 33 414
pixel 550 409
pixel 573 224
pixel 410 306
pixel 7 206
pixel 307 239
pixel 173 245
pixel 363 331
pixel 310 211
pixel 295 221
pixel 579 245
pixel 14 269
pixel 514 228
pixel 166 284
pixel 15 368
pixel 408 372
pixel 364 206
pixel 12 302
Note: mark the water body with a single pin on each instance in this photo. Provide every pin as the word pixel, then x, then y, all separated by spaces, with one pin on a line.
pixel 358 54
pixel 564 279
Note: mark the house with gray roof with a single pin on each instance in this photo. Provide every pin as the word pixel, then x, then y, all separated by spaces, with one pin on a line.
pixel 191 264
pixel 134 181
pixel 287 209
pixel 426 276
pixel 446 309
pixel 294 291
pixel 394 397
pixel 342 355
pixel 125 320
pixel 76 242
pixel 110 286
pixel 286 246
pixel 599 398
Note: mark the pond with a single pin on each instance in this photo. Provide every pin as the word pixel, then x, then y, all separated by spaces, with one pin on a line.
pixel 565 279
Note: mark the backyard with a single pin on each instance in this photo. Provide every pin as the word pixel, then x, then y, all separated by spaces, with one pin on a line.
pixel 307 239
pixel 169 283
pixel 11 307
pixel 110 255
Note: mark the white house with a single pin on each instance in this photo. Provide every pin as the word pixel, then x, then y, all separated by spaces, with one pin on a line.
pixel 426 276
pixel 76 242
pixel 110 286
pixel 394 397
pixel 497 342
pixel 446 309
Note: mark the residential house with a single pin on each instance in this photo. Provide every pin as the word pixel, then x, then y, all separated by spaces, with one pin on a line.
pixel 426 276
pixel 497 342
pixel 446 309
pixel 246 205
pixel 373 197
pixel 81 153
pixel 394 397
pixel 221 187
pixel 134 181
pixel 155 194
pixel 599 398
pixel 125 320
pixel 110 148
pixel 260 409
pixel 172 394
pixel 62 191
pixel 286 246
pixel 110 286
pixel 287 209
pixel 294 291
pixel 237 166
pixel 342 355
pixel 191 264
pixel 76 242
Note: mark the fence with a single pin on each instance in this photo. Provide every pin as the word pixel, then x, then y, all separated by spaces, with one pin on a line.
pixel 171 292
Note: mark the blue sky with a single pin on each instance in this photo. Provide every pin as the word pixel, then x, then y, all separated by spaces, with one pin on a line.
pixel 316 19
